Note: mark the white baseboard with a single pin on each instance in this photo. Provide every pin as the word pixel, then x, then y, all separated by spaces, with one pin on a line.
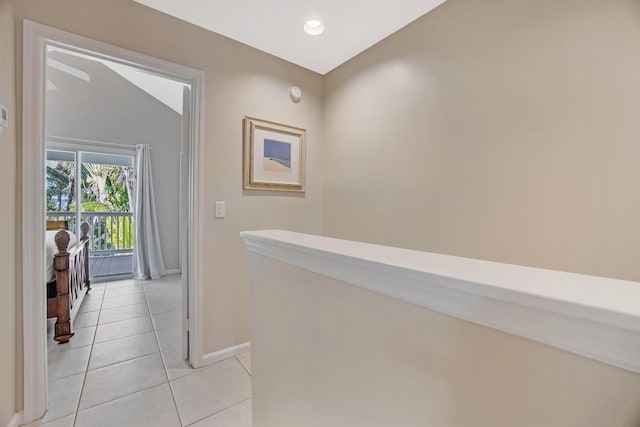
pixel 173 271
pixel 226 353
pixel 16 420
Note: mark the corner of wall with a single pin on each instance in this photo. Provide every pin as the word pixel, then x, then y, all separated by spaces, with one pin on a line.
pixel 8 305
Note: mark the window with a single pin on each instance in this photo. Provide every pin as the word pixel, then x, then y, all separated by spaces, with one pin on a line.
pixel 104 185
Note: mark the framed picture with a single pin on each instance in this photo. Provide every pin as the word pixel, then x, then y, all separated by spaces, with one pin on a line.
pixel 274 156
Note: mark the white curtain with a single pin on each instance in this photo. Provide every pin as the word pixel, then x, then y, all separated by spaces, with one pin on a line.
pixel 147 258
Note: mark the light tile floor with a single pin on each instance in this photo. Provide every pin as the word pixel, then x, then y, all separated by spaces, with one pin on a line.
pixel 124 366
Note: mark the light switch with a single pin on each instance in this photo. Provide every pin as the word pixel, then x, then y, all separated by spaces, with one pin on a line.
pixel 4 116
pixel 220 210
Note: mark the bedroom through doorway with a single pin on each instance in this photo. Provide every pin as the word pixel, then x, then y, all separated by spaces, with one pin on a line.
pixel 116 168
pixel 55 63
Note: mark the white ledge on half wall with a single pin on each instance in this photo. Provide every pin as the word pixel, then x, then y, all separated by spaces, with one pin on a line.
pixel 595 317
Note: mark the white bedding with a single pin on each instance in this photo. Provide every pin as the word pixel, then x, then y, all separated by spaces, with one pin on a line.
pixel 52 249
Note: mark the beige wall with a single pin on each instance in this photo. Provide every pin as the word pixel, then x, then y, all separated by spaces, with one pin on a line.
pixel 327 353
pixel 502 130
pixel 7 215
pixel 493 129
pixel 239 81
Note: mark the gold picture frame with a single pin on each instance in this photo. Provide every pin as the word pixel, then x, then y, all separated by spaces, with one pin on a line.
pixel 274 156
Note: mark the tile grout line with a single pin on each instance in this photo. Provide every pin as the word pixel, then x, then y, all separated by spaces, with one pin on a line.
pixel 66 376
pixel 86 370
pixel 119 397
pixel 126 395
pixel 221 410
pixel 122 361
pixel 173 397
pixel 137 317
pixel 125 304
pixel 106 341
pixel 243 367
pixel 126 336
pixel 164 363
pixel 205 368
pixel 60 416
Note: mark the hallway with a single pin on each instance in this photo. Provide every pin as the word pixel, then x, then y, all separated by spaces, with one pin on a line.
pixel 124 366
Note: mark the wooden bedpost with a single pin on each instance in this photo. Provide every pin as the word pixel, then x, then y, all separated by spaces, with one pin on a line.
pixel 84 229
pixel 63 331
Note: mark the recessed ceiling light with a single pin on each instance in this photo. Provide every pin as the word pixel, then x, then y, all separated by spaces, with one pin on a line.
pixel 313 27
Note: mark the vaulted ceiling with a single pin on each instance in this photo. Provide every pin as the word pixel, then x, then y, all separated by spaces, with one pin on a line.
pixel 276 26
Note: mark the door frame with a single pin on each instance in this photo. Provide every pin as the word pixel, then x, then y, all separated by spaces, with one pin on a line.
pixel 36 38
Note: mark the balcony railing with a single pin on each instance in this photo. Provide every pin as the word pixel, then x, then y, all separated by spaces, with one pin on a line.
pixel 112 232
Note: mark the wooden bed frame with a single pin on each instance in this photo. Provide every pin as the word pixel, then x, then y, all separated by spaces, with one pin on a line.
pixel 72 282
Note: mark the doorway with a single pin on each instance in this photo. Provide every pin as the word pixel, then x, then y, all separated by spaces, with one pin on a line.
pixel 38 40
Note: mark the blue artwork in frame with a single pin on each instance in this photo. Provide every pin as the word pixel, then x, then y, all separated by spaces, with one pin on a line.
pixel 274 156
pixel 277 152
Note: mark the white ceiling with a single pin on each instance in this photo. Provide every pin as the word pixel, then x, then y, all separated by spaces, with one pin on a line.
pixel 276 26
pixel 165 90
